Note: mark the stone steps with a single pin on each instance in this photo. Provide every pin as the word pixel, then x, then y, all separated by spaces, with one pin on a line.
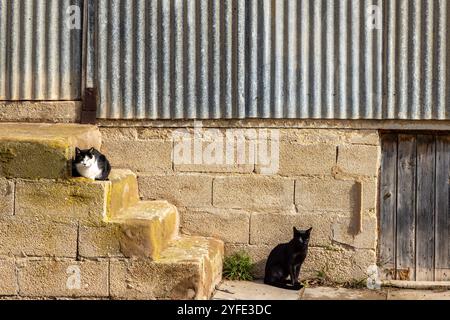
pixel 189 268
pixel 76 199
pixel 147 228
pixel 50 222
pixel 42 151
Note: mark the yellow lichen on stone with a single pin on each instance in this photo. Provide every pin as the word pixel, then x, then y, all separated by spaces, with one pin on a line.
pixel 123 192
pixel 36 151
pixel 147 228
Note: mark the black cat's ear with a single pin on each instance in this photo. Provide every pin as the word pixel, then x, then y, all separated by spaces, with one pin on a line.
pixel 296 232
pixel 77 150
pixel 308 232
pixel 91 150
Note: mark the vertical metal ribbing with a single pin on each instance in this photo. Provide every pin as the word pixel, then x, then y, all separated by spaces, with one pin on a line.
pixel 191 71
pixel 76 57
pixel 52 56
pixel 153 58
pixel 13 53
pixel 266 49
pixel 179 59
pixel 140 39
pixel 228 60
pixel 378 65
pixel 26 56
pixel 262 58
pixel 65 52
pixel 402 56
pixel 390 83
pixel 342 83
pixel 114 61
pixel 216 59
pixel 424 108
pixel 355 28
pixel 127 36
pixel 204 62
pixel 39 43
pixel 253 51
pixel 367 85
pixel 330 61
pixel 304 49
pixel 103 57
pixel 278 80
pixel 241 72
pixel 316 72
pixel 292 60
pixel 442 75
pixel 415 74
pixel 3 42
pixel 166 61
pixel 91 49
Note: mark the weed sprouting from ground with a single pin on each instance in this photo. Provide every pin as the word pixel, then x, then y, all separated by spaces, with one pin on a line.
pixel 238 266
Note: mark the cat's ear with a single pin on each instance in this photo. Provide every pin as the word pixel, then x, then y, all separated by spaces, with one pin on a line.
pixel 91 150
pixel 308 232
pixel 77 150
pixel 296 232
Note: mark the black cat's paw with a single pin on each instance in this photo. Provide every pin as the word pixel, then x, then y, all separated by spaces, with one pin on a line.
pixel 297 286
pixel 294 286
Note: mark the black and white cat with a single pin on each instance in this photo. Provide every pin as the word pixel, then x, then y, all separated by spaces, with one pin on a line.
pixel 285 261
pixel 90 163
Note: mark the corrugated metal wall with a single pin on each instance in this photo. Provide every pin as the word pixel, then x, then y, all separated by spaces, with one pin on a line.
pixel 417 77
pixel 236 59
pixel 40 58
pixel 207 59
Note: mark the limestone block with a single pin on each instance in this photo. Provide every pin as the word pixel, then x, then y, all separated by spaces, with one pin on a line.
pixel 227 225
pixel 62 278
pixel 181 190
pixel 189 269
pixel 253 192
pixel 6 198
pixel 147 228
pixel 21 237
pixel 8 278
pixel 42 150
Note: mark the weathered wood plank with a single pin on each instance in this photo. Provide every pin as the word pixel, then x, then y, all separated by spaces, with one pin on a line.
pixel 425 198
pixel 442 274
pixel 388 203
pixel 442 250
pixel 406 182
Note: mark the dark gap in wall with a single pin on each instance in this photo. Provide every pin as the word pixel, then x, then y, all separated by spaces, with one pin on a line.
pixel 78 243
pixel 337 154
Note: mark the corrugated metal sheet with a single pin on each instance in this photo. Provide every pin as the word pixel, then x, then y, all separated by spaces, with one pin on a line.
pixel 211 59
pixel 40 58
pixel 417 77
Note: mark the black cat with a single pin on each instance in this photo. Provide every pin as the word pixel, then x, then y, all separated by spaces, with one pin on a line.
pixel 285 261
pixel 91 164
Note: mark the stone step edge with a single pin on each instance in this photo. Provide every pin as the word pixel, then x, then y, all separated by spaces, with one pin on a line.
pixel 146 233
pixel 202 256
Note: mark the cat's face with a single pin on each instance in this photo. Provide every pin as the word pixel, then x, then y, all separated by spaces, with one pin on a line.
pixel 302 236
pixel 84 157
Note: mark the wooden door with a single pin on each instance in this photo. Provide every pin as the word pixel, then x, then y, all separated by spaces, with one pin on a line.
pixel 415 207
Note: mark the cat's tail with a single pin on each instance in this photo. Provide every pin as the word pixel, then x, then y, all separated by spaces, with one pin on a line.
pixel 296 286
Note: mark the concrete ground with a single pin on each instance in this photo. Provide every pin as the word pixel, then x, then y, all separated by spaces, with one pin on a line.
pixel 244 290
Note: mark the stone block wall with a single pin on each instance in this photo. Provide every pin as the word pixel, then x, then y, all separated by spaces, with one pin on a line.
pixel 327 179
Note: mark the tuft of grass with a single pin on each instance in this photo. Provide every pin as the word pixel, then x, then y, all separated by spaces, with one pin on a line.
pixel 355 284
pixel 238 266
pixel 322 279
